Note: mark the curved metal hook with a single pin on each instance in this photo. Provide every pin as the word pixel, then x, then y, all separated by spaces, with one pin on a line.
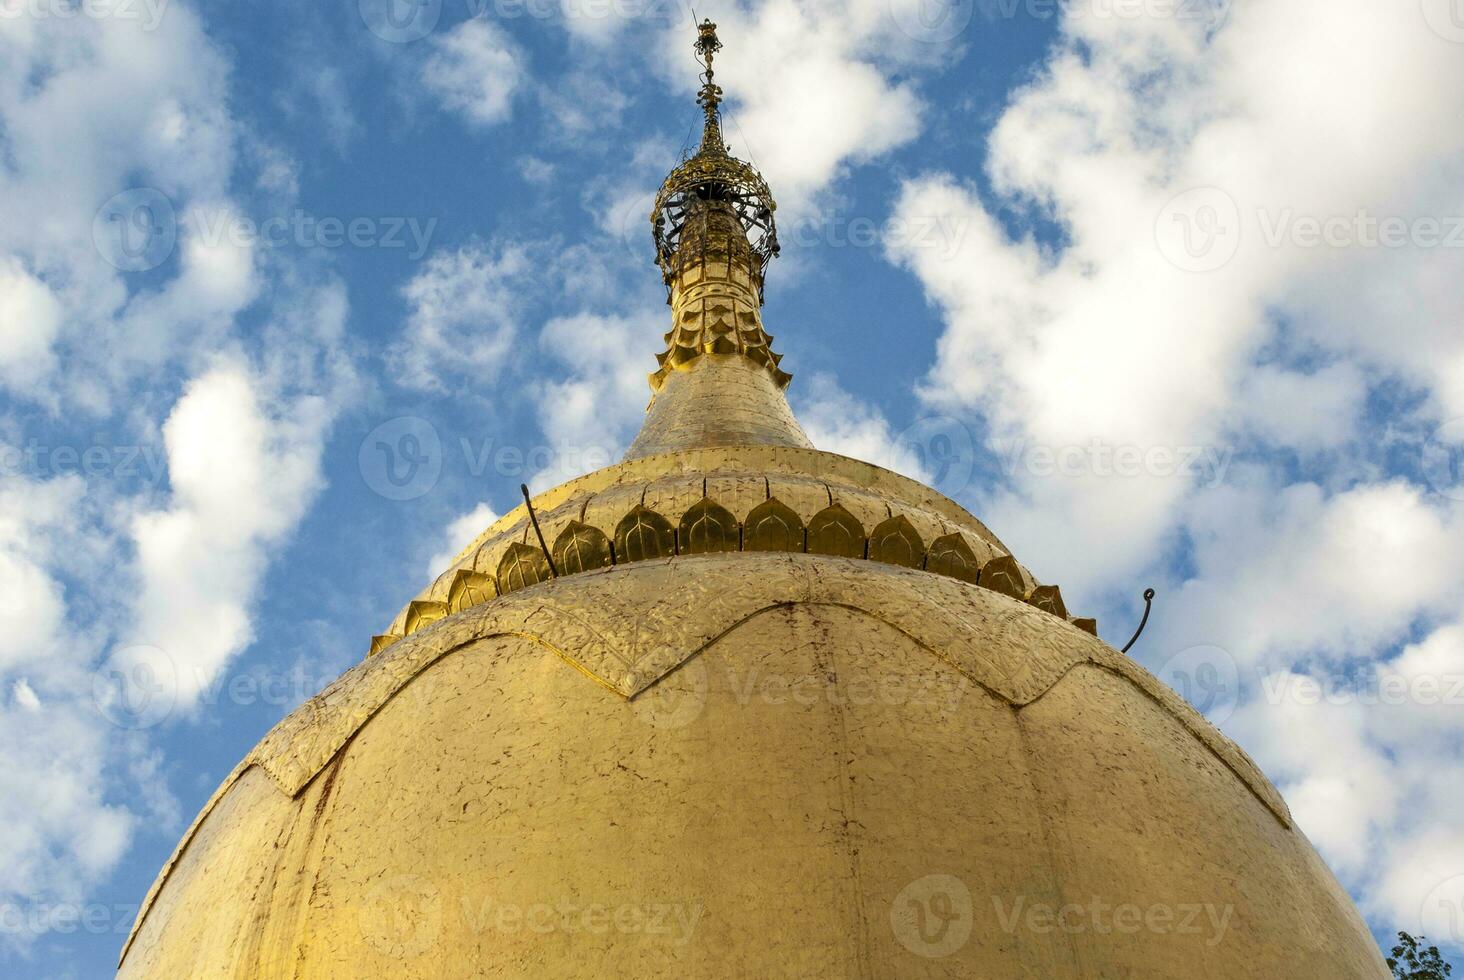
pixel 1148 604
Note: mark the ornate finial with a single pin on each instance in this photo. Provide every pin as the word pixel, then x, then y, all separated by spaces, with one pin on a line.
pixel 715 234
pixel 710 97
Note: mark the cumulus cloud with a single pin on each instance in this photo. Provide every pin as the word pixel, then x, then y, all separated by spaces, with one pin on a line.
pixel 1218 290
pixel 475 69
pixel 113 126
pixel 459 533
pixel 242 477
pixel 463 319
pixel 30 318
pixel 837 422
pixel 842 60
pixel 592 412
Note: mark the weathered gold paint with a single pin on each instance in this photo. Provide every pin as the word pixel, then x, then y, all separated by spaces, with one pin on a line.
pixel 806 740
pixel 703 752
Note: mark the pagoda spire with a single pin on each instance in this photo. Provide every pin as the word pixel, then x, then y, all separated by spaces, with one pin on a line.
pixel 715 236
pixel 710 96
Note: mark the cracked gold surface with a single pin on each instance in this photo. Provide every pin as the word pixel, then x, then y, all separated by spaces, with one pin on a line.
pixel 788 743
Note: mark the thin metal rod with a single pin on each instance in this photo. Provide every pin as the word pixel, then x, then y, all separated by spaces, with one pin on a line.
pixel 1148 604
pixel 535 518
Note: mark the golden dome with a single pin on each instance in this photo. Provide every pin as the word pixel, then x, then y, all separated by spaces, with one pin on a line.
pixel 750 710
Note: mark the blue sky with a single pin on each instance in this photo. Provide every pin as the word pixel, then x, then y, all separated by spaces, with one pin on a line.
pixel 1168 294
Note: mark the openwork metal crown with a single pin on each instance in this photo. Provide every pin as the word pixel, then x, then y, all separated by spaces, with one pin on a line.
pixel 713 176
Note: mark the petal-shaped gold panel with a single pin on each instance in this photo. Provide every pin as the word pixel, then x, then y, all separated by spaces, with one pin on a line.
pixel 708 527
pixel 521 567
pixel 772 526
pixel 644 535
pixel 896 542
pixel 835 531
pixel 951 555
pixel 581 548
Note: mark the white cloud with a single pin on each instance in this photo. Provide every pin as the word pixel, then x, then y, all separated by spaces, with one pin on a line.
pixel 1305 411
pixel 34 517
pixel 460 532
pixel 475 69
pixel 25 695
pixel 90 107
pixel 837 422
pixel 242 476
pixel 589 417
pixel 463 319
pixel 811 87
pixel 30 318
pixel 1116 338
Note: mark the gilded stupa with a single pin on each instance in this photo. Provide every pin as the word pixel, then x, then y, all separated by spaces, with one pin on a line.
pixel 735 707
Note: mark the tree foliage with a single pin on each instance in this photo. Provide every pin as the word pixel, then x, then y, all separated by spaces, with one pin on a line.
pixel 1412 961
